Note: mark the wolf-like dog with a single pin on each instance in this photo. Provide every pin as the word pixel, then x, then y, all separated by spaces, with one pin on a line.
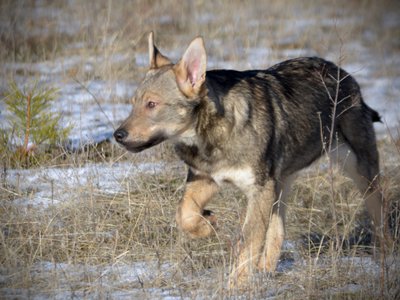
pixel 254 129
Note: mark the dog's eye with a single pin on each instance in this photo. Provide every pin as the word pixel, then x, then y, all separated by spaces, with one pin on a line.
pixel 151 104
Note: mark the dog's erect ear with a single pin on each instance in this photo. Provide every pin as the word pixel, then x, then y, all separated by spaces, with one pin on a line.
pixel 190 71
pixel 156 59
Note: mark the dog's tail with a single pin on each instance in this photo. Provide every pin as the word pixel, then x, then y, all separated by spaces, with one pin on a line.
pixel 375 116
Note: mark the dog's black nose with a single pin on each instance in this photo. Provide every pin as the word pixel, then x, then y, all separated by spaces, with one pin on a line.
pixel 120 135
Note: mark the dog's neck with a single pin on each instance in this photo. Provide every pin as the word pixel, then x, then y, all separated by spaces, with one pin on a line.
pixel 209 119
pixel 213 99
pixel 204 141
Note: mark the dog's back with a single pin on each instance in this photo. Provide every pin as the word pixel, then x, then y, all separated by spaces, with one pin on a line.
pixel 288 109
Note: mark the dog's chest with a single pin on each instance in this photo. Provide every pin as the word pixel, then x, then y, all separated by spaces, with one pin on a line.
pixel 220 170
pixel 242 177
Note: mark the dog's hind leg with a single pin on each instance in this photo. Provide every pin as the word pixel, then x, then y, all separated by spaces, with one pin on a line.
pixel 360 160
pixel 365 175
pixel 191 215
pixel 276 229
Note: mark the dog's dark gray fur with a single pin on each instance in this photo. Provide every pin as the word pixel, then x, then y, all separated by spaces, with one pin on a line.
pixel 255 129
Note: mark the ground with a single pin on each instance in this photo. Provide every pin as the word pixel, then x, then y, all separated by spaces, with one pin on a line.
pixel 92 221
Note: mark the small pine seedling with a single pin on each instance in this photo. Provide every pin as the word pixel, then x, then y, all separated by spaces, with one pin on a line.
pixel 31 121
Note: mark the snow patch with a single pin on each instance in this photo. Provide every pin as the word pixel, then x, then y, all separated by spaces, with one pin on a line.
pixel 50 186
pixel 114 281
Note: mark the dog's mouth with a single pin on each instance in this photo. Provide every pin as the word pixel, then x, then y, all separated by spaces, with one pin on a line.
pixel 139 146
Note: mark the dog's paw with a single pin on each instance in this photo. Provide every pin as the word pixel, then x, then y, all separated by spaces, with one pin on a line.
pixel 209 215
pixel 238 280
pixel 197 225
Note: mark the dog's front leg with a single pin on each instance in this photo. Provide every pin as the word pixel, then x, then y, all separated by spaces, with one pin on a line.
pixel 254 232
pixel 191 215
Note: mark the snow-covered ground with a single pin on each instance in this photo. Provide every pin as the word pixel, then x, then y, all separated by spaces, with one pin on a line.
pixel 56 185
pixel 94 107
pixel 96 282
pixel 133 281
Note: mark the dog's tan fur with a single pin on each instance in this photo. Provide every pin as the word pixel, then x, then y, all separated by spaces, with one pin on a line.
pixel 255 129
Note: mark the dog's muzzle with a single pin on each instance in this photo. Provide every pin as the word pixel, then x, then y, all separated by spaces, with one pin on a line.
pixel 121 135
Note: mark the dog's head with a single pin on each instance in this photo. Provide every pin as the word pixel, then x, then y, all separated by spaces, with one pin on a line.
pixel 165 102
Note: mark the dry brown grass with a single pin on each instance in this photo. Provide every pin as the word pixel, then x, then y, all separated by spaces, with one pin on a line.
pixel 99 229
pixel 96 230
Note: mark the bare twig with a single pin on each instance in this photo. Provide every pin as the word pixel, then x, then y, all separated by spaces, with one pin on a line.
pixel 96 100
